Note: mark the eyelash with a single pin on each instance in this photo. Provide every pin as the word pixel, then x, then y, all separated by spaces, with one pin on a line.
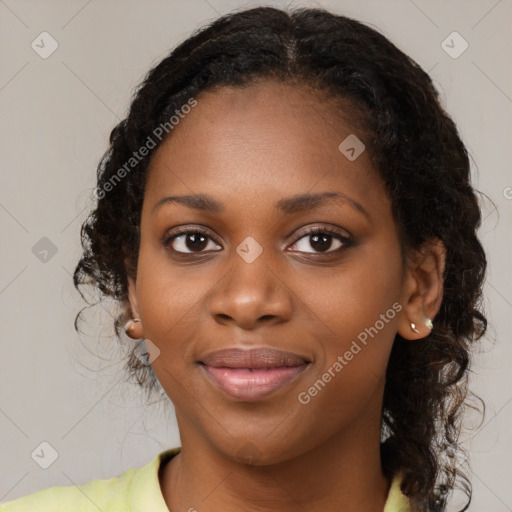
pixel 345 241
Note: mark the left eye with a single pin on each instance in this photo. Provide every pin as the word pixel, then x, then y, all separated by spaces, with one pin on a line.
pixel 321 241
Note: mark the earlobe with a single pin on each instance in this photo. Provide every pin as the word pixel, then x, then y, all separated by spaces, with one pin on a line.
pixel 417 331
pixel 422 290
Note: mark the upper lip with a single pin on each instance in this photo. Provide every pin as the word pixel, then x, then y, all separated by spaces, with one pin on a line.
pixel 264 357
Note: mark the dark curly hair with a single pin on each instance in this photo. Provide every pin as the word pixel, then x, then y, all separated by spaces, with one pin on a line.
pixel 415 147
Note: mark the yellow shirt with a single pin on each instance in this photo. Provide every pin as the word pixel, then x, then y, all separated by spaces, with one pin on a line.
pixel 136 490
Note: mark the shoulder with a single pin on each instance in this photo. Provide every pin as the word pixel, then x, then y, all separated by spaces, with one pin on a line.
pixel 96 495
pixel 108 495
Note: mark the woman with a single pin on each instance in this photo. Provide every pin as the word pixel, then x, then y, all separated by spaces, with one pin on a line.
pixel 286 218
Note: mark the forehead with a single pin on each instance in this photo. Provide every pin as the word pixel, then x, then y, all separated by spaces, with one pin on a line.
pixel 258 140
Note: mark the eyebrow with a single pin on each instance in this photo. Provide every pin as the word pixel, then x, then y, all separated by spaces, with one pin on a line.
pixel 289 205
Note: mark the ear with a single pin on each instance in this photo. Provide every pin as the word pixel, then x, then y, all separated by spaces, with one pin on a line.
pixel 132 297
pixel 133 326
pixel 422 291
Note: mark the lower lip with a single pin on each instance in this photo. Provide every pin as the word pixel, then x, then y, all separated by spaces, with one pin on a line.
pixel 252 385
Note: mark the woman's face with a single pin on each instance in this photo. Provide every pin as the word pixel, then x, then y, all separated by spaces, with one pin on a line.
pixel 255 278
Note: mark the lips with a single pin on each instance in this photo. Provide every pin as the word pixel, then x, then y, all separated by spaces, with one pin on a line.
pixel 264 357
pixel 252 374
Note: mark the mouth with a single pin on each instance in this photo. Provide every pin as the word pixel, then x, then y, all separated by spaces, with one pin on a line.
pixel 254 374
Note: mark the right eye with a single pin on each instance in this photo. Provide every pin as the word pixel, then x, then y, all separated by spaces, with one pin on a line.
pixel 189 241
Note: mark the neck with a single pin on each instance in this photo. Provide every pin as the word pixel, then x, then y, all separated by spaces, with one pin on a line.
pixel 342 473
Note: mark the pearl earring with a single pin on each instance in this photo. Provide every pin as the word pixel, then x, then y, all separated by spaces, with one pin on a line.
pixel 429 323
pixel 413 327
pixel 128 326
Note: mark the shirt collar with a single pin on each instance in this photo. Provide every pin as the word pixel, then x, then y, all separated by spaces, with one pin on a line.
pixel 396 502
pixel 145 492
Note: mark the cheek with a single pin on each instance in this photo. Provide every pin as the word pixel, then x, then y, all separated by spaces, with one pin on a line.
pixel 350 371
pixel 359 308
pixel 352 297
pixel 170 304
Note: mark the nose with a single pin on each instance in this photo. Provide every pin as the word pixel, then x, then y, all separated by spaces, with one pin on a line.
pixel 251 294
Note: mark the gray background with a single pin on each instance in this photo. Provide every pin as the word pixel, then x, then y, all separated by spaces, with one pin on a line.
pixel 56 115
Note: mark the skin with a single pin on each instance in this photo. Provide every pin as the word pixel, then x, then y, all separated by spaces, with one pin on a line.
pixel 249 148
